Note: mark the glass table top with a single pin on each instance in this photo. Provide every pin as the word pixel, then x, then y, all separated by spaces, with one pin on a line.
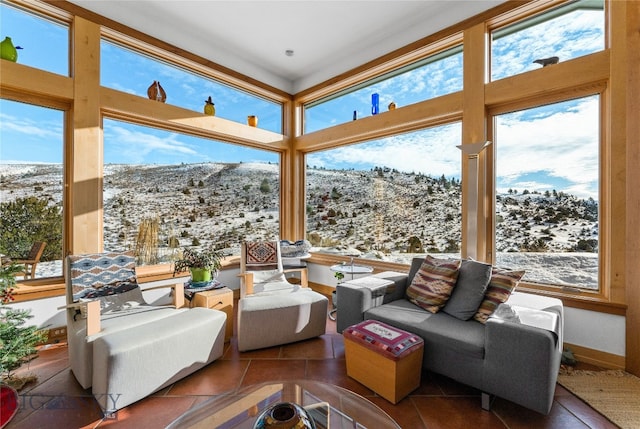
pixel 352 268
pixel 331 407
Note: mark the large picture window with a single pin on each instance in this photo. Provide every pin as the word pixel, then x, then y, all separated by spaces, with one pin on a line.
pixel 547 192
pixel 164 192
pixel 31 184
pixel 387 199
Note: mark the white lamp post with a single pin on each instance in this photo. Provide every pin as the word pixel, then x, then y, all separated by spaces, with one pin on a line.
pixel 472 151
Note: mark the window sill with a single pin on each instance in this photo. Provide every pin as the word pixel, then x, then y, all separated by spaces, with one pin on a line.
pixel 30 290
pixel 592 301
pixel 582 300
pixel 38 289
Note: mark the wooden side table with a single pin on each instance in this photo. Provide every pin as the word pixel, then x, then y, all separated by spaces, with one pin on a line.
pixel 218 299
pixel 384 358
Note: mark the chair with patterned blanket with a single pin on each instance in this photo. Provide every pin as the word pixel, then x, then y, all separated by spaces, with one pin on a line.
pixel 124 348
pixel 272 311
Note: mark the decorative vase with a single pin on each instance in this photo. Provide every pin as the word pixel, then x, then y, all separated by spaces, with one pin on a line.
pixel 8 51
pixel 375 103
pixel 252 120
pixel 156 92
pixel 199 275
pixel 284 415
pixel 392 106
pixel 209 107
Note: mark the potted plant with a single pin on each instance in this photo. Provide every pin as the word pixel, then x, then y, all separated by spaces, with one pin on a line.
pixel 17 342
pixel 201 263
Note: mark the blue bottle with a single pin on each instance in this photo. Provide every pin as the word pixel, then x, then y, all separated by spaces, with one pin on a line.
pixel 375 103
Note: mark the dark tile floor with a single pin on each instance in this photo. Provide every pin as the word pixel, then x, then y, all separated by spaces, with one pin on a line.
pixel 58 401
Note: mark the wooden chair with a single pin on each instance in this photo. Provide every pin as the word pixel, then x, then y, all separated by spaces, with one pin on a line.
pixel 31 260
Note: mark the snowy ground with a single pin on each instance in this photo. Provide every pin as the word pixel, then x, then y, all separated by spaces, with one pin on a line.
pixel 375 214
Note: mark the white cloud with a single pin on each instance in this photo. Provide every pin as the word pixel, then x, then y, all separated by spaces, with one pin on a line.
pixel 563 144
pixel 567 37
pixel 431 151
pixel 29 127
pixel 138 147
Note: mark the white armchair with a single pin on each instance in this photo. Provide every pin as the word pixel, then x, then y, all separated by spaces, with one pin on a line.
pixel 272 311
pixel 124 348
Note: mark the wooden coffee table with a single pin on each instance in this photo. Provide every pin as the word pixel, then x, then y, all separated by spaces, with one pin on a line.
pixel 330 406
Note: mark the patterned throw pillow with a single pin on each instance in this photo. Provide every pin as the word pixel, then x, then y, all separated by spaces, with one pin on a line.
pixel 432 285
pixel 502 283
pixel 96 270
pixel 261 255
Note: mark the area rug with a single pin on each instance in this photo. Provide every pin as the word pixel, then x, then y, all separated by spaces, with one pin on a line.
pixel 613 393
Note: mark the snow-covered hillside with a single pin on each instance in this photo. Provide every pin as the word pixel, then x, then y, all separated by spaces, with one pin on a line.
pixel 381 213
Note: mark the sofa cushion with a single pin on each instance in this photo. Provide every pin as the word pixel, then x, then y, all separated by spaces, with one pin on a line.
pixel 502 283
pixel 437 330
pixel 473 279
pixel 432 285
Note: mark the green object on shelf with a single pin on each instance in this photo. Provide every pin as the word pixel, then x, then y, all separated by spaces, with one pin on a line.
pixel 8 51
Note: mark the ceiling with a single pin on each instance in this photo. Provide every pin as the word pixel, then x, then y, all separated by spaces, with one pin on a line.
pixel 327 37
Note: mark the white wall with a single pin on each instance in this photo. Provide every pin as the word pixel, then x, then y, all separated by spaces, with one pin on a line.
pixel 598 331
pixel 46 314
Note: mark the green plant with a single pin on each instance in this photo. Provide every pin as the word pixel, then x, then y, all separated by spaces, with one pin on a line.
pixel 204 259
pixel 339 276
pixel 30 219
pixel 264 186
pixel 17 341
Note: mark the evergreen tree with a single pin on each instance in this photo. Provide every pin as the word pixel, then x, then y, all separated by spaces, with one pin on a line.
pixel 27 220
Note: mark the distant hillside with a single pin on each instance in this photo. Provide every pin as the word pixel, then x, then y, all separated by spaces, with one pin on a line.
pixel 380 213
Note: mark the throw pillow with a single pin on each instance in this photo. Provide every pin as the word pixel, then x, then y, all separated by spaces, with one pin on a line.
pixel 473 279
pixel 261 255
pixel 502 283
pixel 432 285
pixel 96 270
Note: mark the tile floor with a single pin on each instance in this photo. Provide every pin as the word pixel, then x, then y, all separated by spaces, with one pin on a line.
pixel 58 401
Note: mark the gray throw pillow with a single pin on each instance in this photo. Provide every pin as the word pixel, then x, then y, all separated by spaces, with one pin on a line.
pixel 473 279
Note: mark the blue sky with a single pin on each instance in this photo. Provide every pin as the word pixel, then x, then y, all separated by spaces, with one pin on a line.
pixel 558 140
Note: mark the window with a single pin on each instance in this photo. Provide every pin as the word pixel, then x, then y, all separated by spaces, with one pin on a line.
pixel 165 191
pixel 434 76
pixel 31 183
pixel 387 199
pixel 547 181
pixel 129 71
pixel 566 32
pixel 44 43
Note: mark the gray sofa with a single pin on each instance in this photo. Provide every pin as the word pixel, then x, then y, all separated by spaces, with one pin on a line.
pixel 508 356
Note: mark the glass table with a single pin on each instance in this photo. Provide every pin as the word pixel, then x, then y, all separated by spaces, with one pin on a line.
pixel 331 407
pixel 351 268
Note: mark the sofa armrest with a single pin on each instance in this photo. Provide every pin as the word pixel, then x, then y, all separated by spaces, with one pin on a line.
pixel 357 296
pixel 521 363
